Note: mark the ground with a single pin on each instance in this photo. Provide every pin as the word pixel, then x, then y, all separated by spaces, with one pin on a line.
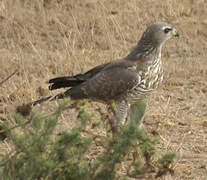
pixel 42 39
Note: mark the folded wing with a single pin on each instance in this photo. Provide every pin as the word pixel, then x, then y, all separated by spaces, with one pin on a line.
pixel 108 84
pixel 71 81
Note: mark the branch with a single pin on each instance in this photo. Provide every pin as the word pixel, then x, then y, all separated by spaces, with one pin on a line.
pixel 7 78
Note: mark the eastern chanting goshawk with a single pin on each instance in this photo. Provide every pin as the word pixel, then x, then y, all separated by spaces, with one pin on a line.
pixel 125 82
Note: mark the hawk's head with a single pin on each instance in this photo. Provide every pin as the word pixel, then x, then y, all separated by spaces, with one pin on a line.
pixel 157 33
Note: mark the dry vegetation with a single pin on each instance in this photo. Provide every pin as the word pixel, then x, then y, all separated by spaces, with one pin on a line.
pixel 44 38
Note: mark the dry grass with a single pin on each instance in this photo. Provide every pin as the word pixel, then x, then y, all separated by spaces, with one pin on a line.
pixel 44 39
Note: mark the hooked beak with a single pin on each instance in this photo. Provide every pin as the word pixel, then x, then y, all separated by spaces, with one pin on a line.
pixel 175 33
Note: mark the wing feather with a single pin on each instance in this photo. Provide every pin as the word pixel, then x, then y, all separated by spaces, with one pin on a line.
pixel 109 84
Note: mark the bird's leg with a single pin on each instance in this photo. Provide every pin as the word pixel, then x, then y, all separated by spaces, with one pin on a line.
pixel 120 111
pixel 137 111
pixel 136 115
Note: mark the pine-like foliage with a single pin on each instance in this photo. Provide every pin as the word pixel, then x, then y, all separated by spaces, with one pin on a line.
pixel 39 155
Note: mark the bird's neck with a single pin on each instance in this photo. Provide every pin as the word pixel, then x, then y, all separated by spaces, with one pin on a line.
pixel 145 52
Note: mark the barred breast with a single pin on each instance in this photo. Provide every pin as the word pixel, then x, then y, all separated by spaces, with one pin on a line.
pixel 150 78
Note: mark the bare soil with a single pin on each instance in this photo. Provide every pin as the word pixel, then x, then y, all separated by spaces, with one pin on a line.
pixel 43 39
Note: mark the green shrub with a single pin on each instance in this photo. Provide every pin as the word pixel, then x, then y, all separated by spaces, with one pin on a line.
pixel 38 155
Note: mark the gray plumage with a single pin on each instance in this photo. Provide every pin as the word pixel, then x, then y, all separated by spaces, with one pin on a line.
pixel 124 81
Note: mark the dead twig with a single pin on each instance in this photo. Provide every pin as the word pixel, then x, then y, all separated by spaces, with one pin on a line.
pixel 7 78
